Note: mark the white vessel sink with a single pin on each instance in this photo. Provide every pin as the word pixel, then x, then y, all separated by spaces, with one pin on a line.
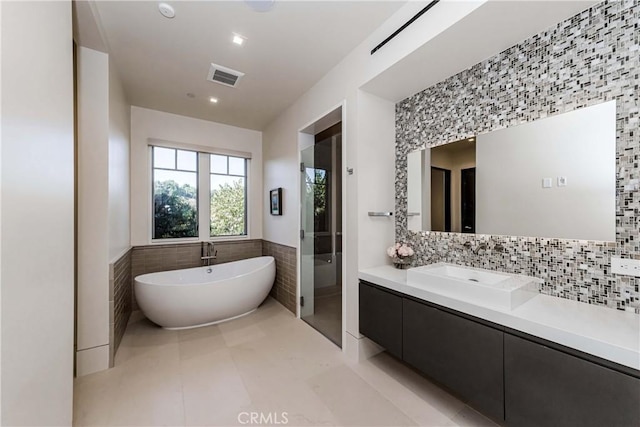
pixel 476 285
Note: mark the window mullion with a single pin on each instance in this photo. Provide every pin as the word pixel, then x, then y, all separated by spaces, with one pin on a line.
pixel 204 197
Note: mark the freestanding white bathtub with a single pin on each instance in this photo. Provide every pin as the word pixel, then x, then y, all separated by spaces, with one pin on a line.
pixel 201 296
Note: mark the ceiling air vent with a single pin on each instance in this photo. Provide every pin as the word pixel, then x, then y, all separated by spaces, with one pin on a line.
pixel 223 75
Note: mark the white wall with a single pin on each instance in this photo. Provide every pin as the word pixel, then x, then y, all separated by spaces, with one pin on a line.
pixel 147 124
pixel 92 340
pixel 375 180
pixel 119 178
pixel 511 163
pixel 340 87
pixel 37 214
pixel 0 214
pixel 103 200
pixel 375 166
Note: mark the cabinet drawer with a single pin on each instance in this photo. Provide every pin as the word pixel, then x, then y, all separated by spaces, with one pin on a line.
pixel 463 355
pixel 381 317
pixel 546 387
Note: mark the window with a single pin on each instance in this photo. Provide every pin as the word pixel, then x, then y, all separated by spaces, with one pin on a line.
pixel 228 196
pixel 318 185
pixel 175 193
pixel 178 205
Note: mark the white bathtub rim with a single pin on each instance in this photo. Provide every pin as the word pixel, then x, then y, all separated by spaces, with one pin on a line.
pixel 181 328
pixel 182 300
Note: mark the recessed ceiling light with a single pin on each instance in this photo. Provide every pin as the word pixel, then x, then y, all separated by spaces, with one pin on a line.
pixel 191 95
pixel 238 39
pixel 166 10
pixel 213 100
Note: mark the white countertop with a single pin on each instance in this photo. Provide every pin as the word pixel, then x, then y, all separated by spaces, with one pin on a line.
pixel 610 334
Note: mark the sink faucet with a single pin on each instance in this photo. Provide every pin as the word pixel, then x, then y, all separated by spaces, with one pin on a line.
pixel 482 246
pixel 208 255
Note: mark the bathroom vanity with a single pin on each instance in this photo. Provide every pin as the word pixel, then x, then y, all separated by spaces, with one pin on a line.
pixel 542 361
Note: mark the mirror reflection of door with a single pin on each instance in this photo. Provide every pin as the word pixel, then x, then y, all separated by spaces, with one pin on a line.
pixel 440 199
pixel 468 200
pixel 453 186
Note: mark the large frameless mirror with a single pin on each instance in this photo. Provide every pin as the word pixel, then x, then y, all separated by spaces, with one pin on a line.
pixel 554 177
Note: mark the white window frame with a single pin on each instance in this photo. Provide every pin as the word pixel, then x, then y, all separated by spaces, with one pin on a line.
pixel 204 192
pixel 246 199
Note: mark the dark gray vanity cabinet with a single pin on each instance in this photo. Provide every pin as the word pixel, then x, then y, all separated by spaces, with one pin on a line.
pixel 459 353
pixel 380 317
pixel 547 387
pixel 508 375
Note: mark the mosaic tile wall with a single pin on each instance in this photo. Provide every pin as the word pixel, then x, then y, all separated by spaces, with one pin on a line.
pixel 284 290
pixel 590 58
pixel 120 306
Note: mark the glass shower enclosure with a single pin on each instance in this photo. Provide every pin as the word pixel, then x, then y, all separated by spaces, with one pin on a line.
pixel 321 234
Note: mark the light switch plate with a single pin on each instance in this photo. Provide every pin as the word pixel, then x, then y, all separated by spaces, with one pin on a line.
pixel 625 266
pixel 547 182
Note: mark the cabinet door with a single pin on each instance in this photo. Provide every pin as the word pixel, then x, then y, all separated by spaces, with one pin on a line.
pixel 461 354
pixel 545 387
pixel 381 318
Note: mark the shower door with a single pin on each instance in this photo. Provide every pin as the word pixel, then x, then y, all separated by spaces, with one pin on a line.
pixel 321 234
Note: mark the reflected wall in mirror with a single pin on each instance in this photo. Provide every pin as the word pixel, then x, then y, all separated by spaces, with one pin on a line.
pixel 554 177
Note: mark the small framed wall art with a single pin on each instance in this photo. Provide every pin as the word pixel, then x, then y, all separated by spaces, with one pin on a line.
pixel 275 197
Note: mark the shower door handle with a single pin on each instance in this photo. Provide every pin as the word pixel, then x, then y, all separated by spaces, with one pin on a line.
pixel 301 234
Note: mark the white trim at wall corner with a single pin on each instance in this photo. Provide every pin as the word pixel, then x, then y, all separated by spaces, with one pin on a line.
pixel 120 255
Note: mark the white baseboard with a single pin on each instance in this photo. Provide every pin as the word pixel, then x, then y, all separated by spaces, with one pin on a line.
pixel 92 360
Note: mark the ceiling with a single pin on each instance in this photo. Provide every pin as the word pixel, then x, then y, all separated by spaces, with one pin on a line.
pixel 287 50
pixel 490 29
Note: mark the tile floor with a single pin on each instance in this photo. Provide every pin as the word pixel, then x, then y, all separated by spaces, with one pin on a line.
pixel 267 363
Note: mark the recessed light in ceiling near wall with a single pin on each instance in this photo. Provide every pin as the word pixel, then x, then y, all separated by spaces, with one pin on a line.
pixel 166 10
pixel 213 100
pixel 191 95
pixel 238 39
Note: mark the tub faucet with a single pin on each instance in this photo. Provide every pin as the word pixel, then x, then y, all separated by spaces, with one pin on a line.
pixel 210 254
